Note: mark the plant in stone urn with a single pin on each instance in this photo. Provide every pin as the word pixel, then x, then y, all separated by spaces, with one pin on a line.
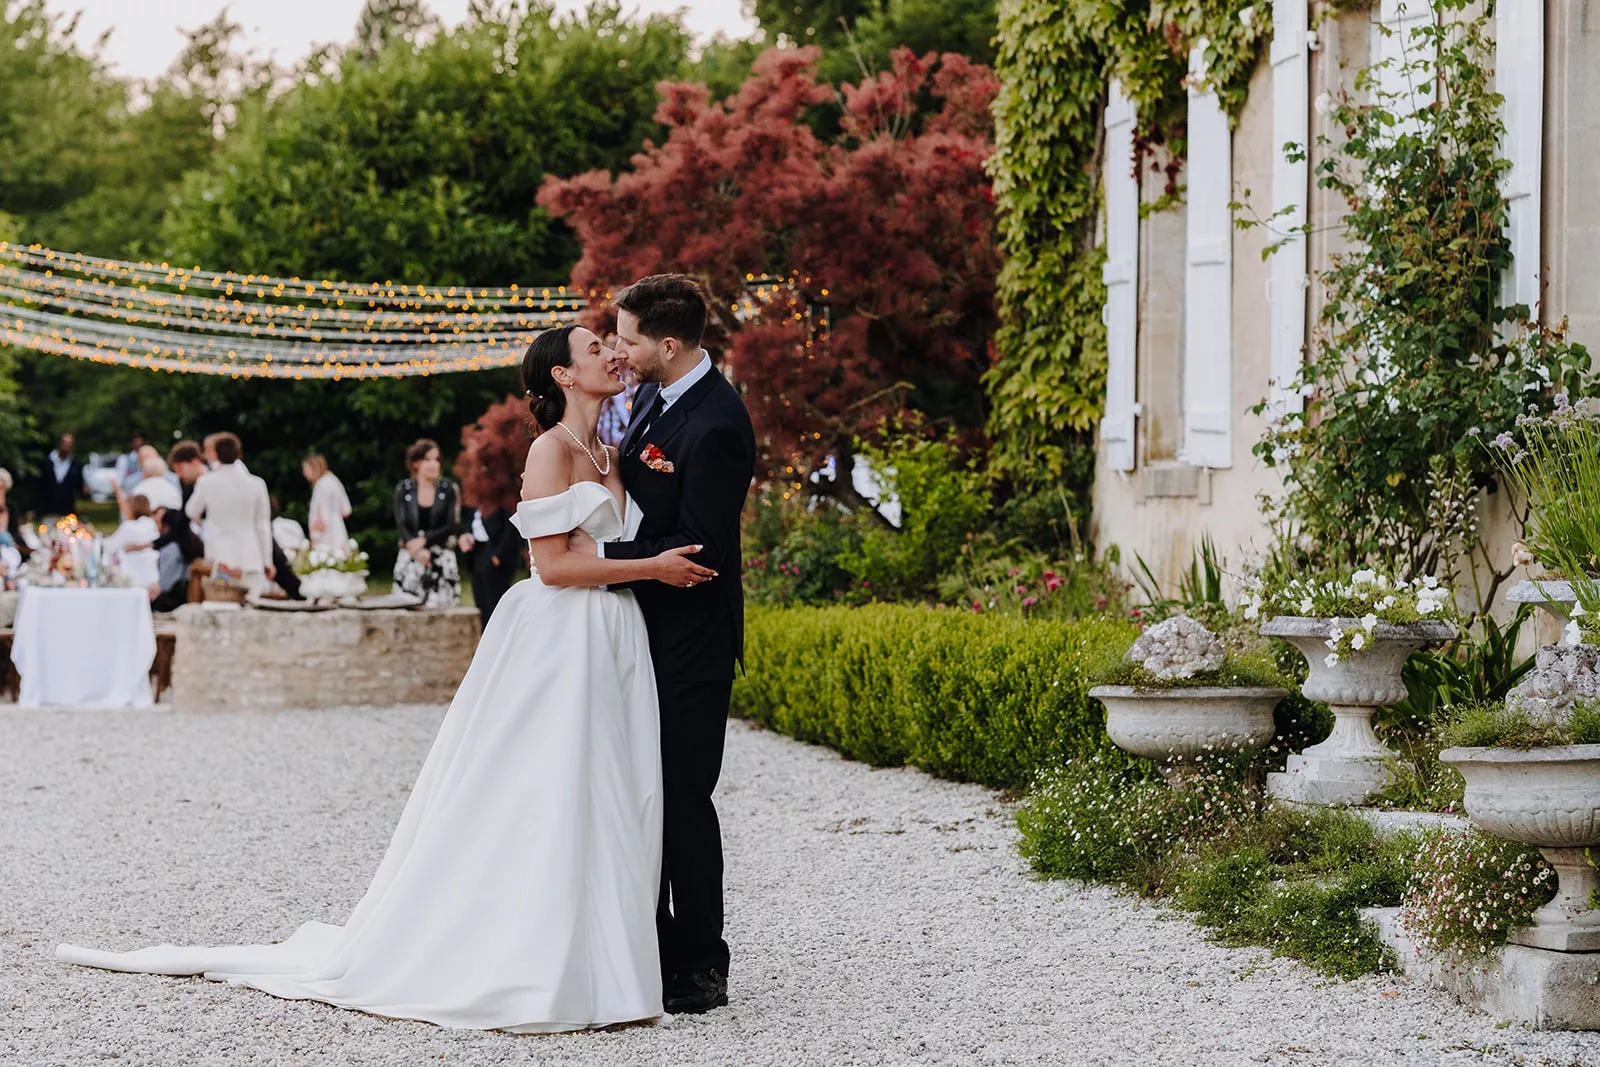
pixel 1355 634
pixel 1179 694
pixel 1553 465
pixel 1532 770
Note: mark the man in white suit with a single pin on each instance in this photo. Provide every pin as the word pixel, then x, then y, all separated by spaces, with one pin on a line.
pixel 238 517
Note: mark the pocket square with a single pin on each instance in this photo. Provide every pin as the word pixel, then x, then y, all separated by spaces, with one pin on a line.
pixel 656 460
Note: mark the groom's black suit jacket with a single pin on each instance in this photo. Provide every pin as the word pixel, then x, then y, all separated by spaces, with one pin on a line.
pixel 696 634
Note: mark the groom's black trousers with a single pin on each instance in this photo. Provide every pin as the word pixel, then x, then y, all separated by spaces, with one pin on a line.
pixel 694 723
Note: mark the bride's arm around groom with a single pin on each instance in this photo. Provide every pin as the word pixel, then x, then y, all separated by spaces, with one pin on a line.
pixel 548 474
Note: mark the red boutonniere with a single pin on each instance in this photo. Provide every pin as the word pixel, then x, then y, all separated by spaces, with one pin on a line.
pixel 656 460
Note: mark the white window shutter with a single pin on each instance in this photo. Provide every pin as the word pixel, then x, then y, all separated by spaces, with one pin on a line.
pixel 1121 276
pixel 1289 266
pixel 1519 77
pixel 1208 279
pixel 1406 91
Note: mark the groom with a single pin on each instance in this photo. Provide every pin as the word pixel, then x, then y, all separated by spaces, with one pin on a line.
pixel 687 461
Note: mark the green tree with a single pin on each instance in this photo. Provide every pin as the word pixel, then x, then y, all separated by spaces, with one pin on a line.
pixel 858 36
pixel 421 163
pixel 384 22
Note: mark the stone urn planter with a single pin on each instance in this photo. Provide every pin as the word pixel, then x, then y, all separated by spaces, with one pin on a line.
pixel 1352 763
pixel 1553 595
pixel 1548 798
pixel 1177 725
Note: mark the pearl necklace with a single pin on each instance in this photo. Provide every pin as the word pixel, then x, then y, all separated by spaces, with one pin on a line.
pixel 604 471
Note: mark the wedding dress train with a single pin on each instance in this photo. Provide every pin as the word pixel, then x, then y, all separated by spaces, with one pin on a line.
pixel 519 889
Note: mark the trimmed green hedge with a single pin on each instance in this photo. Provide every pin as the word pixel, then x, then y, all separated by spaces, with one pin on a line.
pixel 980 698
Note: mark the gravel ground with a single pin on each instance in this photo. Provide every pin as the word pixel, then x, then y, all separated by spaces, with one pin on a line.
pixel 876 917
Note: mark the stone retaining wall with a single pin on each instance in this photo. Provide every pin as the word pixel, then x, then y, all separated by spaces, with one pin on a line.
pixel 247 659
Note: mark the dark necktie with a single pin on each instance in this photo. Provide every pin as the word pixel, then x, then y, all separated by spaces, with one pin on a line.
pixel 649 417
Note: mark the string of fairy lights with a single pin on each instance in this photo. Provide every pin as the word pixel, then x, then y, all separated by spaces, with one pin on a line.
pixel 191 321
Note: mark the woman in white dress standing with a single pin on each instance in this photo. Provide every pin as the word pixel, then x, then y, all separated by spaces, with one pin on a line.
pixel 519 889
pixel 330 505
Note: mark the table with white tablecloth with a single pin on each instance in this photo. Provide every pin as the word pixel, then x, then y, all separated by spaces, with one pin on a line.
pixel 79 647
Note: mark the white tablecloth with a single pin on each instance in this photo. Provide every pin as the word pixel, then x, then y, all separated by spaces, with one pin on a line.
pixel 84 647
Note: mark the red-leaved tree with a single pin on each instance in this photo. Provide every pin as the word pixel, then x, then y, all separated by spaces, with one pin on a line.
pixel 493 452
pixel 883 234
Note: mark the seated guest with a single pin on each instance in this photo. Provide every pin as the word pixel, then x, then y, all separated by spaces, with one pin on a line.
pixel 177 548
pixel 131 548
pixel 427 513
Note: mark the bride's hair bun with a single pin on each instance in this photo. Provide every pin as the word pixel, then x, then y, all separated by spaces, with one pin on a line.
pixel 549 350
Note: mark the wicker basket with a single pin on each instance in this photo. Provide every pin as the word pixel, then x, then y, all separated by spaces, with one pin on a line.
pixel 227 594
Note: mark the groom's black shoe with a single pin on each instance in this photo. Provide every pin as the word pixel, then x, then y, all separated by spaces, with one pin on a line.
pixel 696 992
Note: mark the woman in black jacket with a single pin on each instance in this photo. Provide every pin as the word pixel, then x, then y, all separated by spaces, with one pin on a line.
pixel 427 511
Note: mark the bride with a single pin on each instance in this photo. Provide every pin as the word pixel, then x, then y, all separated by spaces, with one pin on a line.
pixel 519 889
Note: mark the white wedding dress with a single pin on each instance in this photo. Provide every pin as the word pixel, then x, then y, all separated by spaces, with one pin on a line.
pixel 519 890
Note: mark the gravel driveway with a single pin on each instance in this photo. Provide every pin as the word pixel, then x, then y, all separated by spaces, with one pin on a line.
pixel 876 917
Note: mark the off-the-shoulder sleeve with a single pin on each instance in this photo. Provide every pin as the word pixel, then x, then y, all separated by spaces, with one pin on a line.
pixel 562 513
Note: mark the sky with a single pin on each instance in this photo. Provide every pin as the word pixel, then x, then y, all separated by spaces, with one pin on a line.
pixel 145 34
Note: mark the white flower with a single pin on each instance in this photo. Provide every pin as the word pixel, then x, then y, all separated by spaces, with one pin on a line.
pixel 1358 642
pixel 1280 453
pixel 1364 577
pixel 1305 606
pixel 1334 634
pixel 1430 582
pixel 1520 556
pixel 1332 659
pixel 1247 17
pixel 1571 635
pixel 1368 621
pixel 1427 607
pixel 1321 104
pixel 1252 607
pixel 1577 611
pixel 1386 603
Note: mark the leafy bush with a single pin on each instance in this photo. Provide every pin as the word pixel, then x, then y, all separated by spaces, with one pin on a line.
pixel 1017 582
pixel 977 698
pixel 942 497
pixel 793 544
pixel 1468 890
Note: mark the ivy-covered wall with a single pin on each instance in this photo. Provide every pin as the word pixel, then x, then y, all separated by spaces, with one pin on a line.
pixel 1055 60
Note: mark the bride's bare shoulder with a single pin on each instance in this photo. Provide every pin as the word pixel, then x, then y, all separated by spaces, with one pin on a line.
pixel 548 470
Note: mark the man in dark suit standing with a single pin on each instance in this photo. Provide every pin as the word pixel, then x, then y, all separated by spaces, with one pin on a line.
pixel 60 480
pixel 687 461
pixel 494 549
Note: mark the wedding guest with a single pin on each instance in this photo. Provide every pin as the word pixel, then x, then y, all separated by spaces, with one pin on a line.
pixel 157 484
pixel 187 461
pixel 494 551
pixel 234 506
pixel 427 512
pixel 330 505
pixel 60 480
pixel 13 550
pixel 132 547
pixel 129 470
pixel 176 549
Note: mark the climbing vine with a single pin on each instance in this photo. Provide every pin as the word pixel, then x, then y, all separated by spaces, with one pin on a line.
pixel 1055 59
pixel 1416 361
